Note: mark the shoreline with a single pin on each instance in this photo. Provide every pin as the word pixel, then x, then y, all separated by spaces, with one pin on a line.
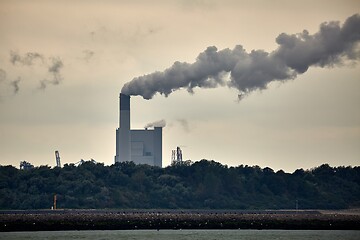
pixel 57 220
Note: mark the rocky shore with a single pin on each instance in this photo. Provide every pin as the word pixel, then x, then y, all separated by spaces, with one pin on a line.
pixel 117 220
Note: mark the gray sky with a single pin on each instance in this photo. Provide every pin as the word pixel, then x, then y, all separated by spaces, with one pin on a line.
pixel 63 64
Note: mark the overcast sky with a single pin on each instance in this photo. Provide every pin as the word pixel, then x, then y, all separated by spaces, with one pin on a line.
pixel 64 63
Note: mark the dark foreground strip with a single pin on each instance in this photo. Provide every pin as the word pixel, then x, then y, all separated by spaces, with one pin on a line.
pixel 113 220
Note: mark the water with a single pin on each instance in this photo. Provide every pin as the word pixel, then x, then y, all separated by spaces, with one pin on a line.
pixel 187 234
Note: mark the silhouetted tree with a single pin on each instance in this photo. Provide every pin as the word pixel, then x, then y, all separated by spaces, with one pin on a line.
pixel 202 184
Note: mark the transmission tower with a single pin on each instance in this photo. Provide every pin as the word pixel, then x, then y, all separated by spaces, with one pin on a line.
pixel 57 157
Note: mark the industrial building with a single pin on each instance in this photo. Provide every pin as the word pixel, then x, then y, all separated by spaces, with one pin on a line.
pixel 143 146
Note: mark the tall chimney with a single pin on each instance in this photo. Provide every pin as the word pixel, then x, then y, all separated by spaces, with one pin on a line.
pixel 123 137
pixel 158 146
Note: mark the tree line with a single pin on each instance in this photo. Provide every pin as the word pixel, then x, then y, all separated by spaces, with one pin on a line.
pixel 199 185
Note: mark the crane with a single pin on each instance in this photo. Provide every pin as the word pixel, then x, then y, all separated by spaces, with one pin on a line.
pixel 57 157
pixel 176 156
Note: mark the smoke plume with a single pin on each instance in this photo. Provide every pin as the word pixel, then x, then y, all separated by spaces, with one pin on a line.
pixel 27 59
pixel 53 69
pixel 54 66
pixel 248 72
pixel 160 123
pixel 15 85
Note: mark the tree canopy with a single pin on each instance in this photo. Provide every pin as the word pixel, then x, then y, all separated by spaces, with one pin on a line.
pixel 199 185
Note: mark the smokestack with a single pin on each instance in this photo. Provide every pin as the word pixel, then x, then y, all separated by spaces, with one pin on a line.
pixel 158 146
pixel 124 102
pixel 123 137
pixel 124 109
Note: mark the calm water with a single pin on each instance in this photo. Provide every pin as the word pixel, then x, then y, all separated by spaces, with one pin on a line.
pixel 187 234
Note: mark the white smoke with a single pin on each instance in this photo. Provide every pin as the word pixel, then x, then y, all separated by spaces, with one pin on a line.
pixel 160 123
pixel 328 47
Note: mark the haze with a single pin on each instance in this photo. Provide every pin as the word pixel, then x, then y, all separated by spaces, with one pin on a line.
pixel 63 65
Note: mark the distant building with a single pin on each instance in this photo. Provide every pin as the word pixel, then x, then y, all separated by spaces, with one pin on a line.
pixel 139 146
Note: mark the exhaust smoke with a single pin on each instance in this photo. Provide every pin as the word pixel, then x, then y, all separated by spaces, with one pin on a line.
pixel 251 71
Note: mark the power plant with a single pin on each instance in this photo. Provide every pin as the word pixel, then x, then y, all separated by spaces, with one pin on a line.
pixel 138 146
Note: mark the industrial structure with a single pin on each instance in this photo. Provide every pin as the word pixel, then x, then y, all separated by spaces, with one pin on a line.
pixel 57 157
pixel 176 156
pixel 138 146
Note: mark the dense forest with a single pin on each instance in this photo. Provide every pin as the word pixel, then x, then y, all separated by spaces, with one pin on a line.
pixel 199 185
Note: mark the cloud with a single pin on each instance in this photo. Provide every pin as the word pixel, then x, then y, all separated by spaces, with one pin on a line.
pixel 252 71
